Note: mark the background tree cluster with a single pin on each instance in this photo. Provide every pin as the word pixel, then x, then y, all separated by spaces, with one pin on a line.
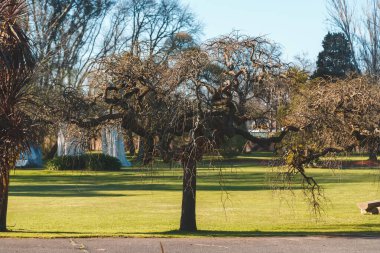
pixel 359 22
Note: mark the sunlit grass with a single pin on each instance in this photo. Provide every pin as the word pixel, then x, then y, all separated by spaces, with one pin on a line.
pixel 137 202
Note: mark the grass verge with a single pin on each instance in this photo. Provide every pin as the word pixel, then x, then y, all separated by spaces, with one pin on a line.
pixel 233 201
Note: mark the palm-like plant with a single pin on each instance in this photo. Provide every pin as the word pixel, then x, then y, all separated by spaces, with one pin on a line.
pixel 16 65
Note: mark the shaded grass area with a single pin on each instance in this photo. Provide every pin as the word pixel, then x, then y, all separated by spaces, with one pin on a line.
pixel 234 199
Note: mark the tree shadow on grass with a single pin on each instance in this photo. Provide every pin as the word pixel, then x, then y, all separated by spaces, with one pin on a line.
pixel 118 184
pixel 199 233
pixel 258 233
pixel 113 190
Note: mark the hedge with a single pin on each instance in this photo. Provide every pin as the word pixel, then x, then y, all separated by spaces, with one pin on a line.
pixel 91 162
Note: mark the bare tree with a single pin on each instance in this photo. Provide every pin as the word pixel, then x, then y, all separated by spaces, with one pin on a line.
pixel 342 17
pixel 369 39
pixel 331 118
pixel 187 105
pixel 65 36
pixel 360 24
pixel 144 26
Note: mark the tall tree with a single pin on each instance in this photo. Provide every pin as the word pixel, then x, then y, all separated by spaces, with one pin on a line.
pixel 360 24
pixel 143 27
pixel 369 39
pixel 342 17
pixel 16 66
pixel 152 29
pixel 66 35
pixel 335 60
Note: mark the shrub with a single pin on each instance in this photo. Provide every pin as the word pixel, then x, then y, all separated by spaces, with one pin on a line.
pixel 91 162
pixel 101 162
pixel 66 163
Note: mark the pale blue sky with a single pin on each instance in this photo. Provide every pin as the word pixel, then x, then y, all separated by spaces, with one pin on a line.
pixel 297 25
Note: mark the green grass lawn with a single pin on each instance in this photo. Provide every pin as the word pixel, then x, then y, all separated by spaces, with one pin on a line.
pixel 137 202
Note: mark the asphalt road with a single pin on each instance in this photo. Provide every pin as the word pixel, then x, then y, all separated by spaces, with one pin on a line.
pixel 186 245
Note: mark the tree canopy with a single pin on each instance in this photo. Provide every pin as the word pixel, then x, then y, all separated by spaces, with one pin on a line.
pixel 335 61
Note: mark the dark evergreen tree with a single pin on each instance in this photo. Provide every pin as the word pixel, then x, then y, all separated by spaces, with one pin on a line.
pixel 336 58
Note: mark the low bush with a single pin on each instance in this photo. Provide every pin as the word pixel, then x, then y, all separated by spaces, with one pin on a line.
pixel 102 162
pixel 91 162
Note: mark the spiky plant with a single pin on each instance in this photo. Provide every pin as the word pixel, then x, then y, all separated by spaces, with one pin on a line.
pixel 16 66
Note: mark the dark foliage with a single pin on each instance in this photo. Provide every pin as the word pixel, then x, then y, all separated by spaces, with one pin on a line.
pixel 16 67
pixel 90 162
pixel 335 61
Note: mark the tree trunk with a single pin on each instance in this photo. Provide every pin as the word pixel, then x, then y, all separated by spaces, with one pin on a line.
pixel 4 186
pixel 52 151
pixel 140 153
pixel 130 144
pixel 148 150
pixel 372 156
pixel 372 150
pixel 188 222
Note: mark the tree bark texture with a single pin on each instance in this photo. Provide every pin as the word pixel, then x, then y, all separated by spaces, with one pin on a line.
pixel 188 221
pixel 4 189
